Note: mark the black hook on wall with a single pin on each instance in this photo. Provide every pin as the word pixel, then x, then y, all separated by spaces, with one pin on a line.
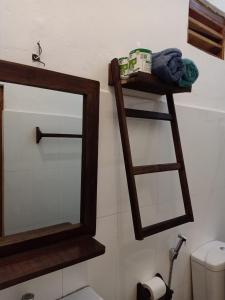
pixel 37 57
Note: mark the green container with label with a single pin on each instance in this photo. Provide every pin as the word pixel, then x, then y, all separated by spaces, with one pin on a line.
pixel 124 67
pixel 140 60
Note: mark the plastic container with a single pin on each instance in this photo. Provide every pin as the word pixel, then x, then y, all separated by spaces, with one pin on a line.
pixel 140 60
pixel 124 67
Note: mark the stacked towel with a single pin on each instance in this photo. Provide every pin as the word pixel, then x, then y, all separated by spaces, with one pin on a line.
pixel 190 73
pixel 167 65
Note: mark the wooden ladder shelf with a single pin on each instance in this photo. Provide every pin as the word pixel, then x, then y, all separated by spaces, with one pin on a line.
pixel 145 82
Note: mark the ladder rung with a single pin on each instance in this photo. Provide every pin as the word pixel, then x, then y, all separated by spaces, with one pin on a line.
pixel 144 114
pixel 152 229
pixel 156 168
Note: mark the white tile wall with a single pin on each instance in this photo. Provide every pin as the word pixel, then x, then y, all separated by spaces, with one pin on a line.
pixel 45 287
pixel 103 270
pixel 114 275
pixel 74 277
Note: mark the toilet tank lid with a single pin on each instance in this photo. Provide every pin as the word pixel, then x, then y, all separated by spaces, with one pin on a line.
pixel 211 255
pixel 86 293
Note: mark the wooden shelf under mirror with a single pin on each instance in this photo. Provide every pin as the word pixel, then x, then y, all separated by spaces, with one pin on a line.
pixel 29 264
pixel 65 236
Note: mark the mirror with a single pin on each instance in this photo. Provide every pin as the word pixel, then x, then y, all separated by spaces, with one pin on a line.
pixel 48 171
pixel 42 178
pixel 49 157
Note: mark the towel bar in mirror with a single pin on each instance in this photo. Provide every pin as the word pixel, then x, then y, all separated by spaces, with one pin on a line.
pixel 40 135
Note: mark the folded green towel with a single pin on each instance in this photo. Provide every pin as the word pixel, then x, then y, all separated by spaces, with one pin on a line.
pixel 190 73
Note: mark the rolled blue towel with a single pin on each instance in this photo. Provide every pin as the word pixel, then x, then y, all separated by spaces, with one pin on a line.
pixel 190 73
pixel 167 65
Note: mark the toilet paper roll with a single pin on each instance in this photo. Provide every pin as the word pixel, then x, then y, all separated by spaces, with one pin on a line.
pixel 156 287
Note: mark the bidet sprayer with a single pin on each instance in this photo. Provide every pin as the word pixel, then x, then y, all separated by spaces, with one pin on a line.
pixel 174 252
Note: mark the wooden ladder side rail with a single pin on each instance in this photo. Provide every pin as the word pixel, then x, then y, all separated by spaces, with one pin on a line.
pixel 115 73
pixel 180 158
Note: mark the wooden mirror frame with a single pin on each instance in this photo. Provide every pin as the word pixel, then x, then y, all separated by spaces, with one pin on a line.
pixel 20 243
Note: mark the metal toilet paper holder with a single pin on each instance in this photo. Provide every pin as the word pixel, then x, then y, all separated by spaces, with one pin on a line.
pixel 144 294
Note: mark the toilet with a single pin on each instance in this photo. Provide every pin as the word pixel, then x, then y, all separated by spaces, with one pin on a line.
pixel 208 271
pixel 86 293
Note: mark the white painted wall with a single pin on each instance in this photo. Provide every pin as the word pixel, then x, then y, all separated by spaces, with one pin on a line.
pixel 220 4
pixel 80 38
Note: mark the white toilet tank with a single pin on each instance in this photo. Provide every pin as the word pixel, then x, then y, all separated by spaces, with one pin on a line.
pixel 208 271
pixel 86 293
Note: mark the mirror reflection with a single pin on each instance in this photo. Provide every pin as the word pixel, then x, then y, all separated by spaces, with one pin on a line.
pixel 42 181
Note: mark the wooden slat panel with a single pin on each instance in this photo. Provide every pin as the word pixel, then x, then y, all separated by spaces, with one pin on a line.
pixel 205 30
pixel 223 49
pixel 201 18
pixel 204 43
pixel 143 114
pixel 138 170
pixel 206 15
